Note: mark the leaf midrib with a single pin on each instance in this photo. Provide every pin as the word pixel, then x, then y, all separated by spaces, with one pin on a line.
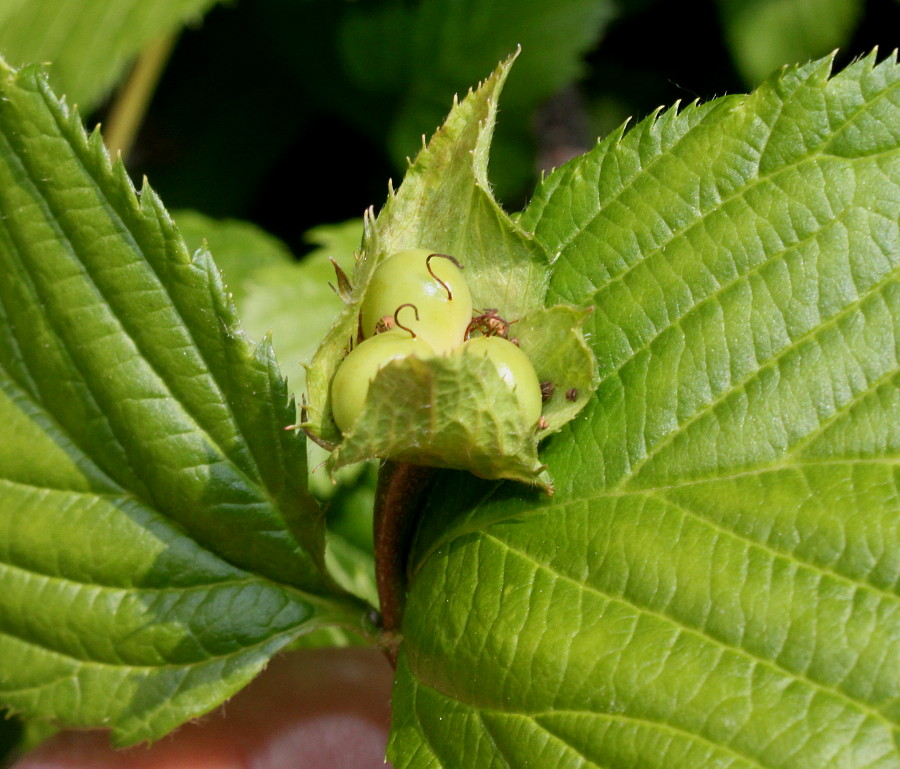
pixel 249 579
pixel 145 493
pixel 82 459
pixel 587 498
pixel 316 607
pixel 127 668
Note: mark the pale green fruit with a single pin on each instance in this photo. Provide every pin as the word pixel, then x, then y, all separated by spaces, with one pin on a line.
pixel 515 369
pixel 404 278
pixel 350 386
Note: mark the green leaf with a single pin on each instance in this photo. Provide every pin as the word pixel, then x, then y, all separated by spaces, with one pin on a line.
pixel 157 541
pixel 89 42
pixel 766 34
pixel 715 581
pixel 277 296
pixel 295 304
pixel 353 566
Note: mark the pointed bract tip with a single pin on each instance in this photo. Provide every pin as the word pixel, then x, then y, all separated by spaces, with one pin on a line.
pixel 344 288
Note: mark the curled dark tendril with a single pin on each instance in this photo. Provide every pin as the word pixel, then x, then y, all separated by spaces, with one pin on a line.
pixel 431 272
pixel 399 324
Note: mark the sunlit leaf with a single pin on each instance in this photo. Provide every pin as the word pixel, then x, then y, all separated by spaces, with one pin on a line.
pixel 715 581
pixel 157 541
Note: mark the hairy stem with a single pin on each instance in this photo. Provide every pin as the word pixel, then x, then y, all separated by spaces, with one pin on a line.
pixel 401 487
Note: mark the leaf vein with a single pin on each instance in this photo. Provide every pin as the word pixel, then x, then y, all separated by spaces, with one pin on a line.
pixel 739 386
pixel 698 633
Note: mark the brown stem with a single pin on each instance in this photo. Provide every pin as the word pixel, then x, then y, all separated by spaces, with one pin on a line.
pixel 401 487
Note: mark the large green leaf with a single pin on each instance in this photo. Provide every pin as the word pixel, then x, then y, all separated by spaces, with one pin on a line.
pixel 715 582
pixel 89 42
pixel 294 303
pixel 276 295
pixel 157 541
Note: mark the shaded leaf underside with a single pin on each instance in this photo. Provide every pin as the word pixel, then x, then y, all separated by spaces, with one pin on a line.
pixel 715 582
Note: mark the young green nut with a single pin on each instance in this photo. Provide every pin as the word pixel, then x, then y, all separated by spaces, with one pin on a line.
pixel 514 368
pixel 434 284
pixel 350 386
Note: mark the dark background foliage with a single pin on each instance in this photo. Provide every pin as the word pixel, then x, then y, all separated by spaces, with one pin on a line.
pixel 220 136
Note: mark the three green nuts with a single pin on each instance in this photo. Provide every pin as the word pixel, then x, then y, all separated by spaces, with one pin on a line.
pixel 418 304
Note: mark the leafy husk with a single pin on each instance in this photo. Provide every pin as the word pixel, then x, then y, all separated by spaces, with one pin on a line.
pixel 506 270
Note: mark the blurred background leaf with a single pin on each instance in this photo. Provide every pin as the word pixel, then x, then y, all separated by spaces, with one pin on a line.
pixel 443 47
pixel 327 92
pixel 274 293
pixel 764 34
pixel 89 43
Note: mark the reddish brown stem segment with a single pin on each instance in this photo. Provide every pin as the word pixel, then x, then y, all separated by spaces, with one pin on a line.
pixel 400 490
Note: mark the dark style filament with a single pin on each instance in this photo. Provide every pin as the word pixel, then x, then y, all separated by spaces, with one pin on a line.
pixel 431 272
pixel 399 324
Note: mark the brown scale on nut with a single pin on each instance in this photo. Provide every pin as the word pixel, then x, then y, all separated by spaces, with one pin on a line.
pixel 572 395
pixel 386 323
pixel 547 389
pixel 489 323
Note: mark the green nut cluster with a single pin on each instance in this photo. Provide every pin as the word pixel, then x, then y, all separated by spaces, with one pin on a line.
pixel 418 304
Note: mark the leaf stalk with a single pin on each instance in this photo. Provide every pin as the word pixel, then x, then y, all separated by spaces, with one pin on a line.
pixel 398 496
